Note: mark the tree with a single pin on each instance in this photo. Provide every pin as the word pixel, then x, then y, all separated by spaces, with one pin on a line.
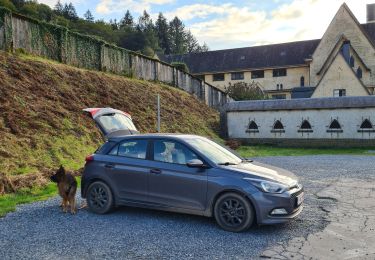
pixel 245 91
pixel 88 16
pixel 178 36
pixel 162 32
pixel 17 3
pixel 8 4
pixel 69 12
pixel 203 48
pixel 192 44
pixel 144 22
pixel 127 21
pixel 59 8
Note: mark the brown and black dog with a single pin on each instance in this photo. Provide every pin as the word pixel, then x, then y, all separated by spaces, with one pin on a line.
pixel 67 185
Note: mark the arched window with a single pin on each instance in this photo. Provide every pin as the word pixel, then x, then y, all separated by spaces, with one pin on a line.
pixel 302 81
pixel 359 72
pixel 334 127
pixel 366 126
pixel 305 127
pixel 351 61
pixel 278 127
pixel 281 86
pixel 253 127
pixel 277 86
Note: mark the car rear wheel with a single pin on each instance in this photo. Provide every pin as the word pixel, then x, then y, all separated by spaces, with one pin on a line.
pixel 99 198
pixel 233 212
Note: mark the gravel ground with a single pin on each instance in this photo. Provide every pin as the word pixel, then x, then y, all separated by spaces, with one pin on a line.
pixel 41 231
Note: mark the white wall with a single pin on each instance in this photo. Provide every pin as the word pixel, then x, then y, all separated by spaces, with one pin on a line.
pixel 320 119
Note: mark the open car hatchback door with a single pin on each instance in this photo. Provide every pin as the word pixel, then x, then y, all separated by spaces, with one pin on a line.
pixel 112 122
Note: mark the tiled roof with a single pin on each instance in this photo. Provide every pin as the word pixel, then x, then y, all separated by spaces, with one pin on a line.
pixel 274 55
pixel 257 57
pixel 370 30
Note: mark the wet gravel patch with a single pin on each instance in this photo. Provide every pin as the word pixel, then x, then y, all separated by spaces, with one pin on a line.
pixel 41 231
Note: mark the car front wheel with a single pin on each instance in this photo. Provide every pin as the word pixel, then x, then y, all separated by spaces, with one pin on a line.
pixel 99 198
pixel 233 212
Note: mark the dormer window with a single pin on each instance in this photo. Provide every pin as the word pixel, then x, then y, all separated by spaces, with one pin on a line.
pixel 366 127
pixel 334 127
pixel 252 127
pixel 305 127
pixel 278 127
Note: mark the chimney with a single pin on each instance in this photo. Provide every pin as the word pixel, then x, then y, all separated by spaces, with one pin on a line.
pixel 371 13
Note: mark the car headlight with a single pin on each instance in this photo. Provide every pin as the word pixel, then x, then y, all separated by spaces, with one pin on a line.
pixel 268 186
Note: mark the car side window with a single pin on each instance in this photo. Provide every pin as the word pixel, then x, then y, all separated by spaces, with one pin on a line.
pixel 172 152
pixel 132 148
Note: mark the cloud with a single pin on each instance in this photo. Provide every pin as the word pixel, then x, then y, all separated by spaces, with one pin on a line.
pixel 227 25
pixel 110 7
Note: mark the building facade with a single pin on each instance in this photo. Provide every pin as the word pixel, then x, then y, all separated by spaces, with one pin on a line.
pixel 342 63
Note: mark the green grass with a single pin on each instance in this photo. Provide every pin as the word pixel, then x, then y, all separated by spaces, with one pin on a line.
pixel 9 202
pixel 264 150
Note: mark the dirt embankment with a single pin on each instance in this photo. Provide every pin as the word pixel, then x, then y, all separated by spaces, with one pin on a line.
pixel 41 119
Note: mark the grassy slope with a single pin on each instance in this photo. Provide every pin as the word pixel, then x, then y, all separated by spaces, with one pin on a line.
pixel 41 123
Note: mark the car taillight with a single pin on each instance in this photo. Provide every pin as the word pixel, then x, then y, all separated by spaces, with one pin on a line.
pixel 89 158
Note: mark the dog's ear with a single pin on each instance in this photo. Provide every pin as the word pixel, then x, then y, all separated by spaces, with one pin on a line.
pixel 61 169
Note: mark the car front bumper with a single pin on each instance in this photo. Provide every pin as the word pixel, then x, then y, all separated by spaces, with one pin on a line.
pixel 265 203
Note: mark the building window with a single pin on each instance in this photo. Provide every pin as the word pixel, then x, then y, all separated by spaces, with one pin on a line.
pixel 305 127
pixel 257 74
pixel 279 72
pixel 359 72
pixel 351 61
pixel 281 86
pixel 339 92
pixel 237 76
pixel 302 81
pixel 252 128
pixel 334 127
pixel 366 126
pixel 277 86
pixel 280 96
pixel 218 77
pixel 278 127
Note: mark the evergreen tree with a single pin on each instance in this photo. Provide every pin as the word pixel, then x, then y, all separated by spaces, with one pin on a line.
pixel 88 16
pixel 59 8
pixel 178 36
pixel 127 21
pixel 192 44
pixel 144 22
pixel 162 32
pixel 69 12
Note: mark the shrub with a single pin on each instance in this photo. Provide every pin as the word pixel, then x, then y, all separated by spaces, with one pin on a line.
pixel 245 91
pixel 181 66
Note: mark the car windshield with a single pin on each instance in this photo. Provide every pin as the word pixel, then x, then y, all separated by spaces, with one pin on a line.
pixel 115 121
pixel 215 152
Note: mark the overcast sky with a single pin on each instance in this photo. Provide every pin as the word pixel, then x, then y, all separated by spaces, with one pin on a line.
pixel 233 23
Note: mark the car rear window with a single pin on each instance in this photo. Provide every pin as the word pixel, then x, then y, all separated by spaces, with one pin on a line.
pixel 104 149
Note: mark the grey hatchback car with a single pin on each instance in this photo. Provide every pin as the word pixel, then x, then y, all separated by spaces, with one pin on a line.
pixel 184 173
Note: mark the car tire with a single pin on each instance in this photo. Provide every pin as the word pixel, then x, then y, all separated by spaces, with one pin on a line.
pixel 233 212
pixel 99 198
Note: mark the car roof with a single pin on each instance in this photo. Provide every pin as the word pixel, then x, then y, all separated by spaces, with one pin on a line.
pixel 155 135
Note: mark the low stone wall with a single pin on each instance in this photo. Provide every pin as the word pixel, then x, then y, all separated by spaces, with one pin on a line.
pixel 58 43
pixel 318 122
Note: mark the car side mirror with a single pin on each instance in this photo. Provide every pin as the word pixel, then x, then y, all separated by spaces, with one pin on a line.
pixel 195 163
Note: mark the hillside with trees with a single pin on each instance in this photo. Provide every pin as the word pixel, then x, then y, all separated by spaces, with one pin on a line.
pixel 142 35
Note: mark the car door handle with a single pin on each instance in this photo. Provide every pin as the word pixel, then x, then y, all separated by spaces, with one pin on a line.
pixel 109 166
pixel 155 171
